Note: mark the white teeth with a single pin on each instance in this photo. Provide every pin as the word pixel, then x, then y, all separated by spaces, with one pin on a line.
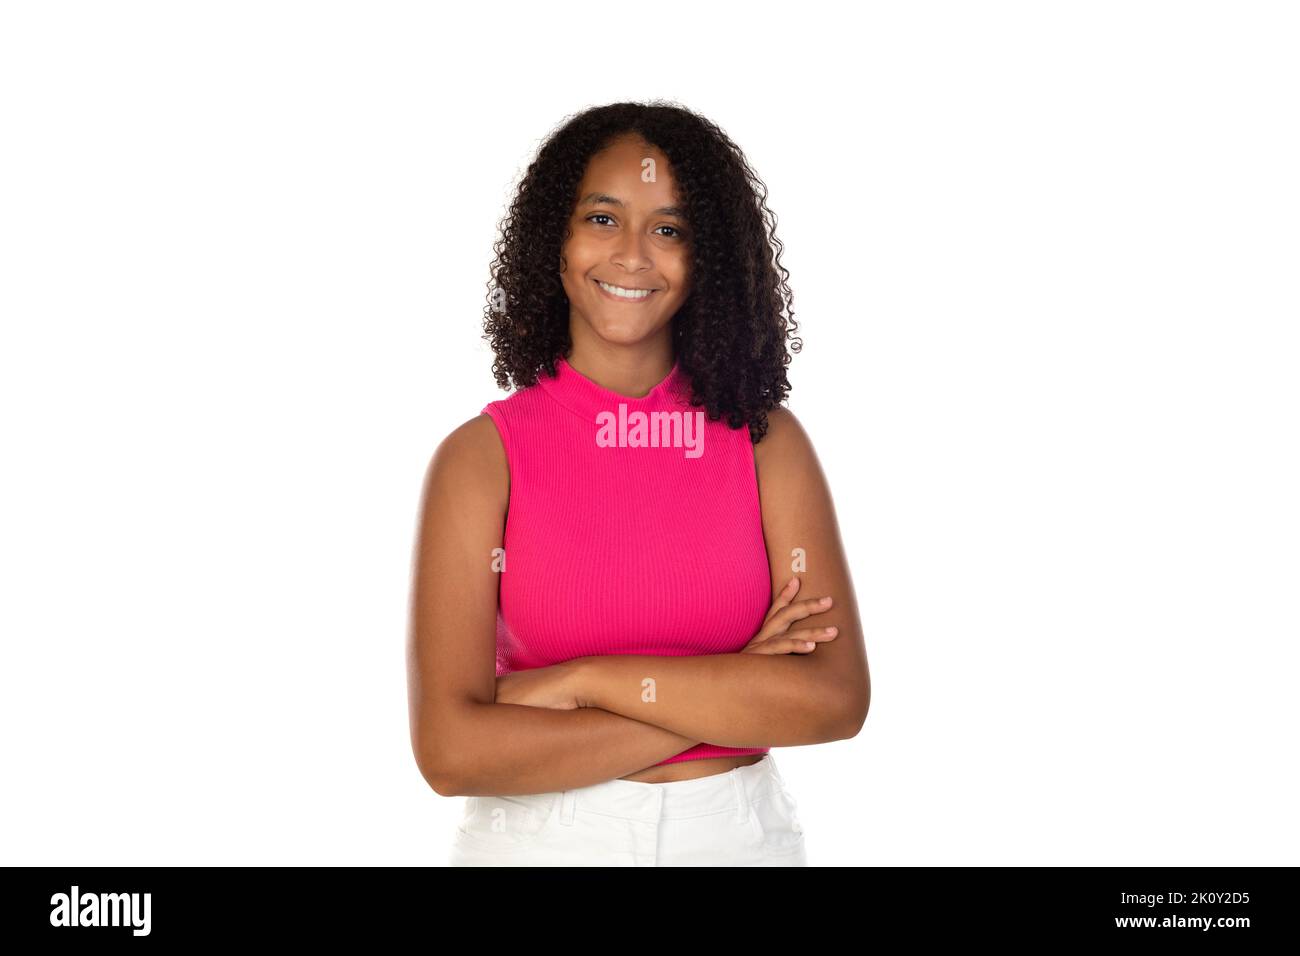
pixel 624 293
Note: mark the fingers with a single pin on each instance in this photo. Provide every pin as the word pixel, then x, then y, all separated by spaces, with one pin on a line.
pixel 784 598
pixel 799 610
pixel 803 641
pixel 785 612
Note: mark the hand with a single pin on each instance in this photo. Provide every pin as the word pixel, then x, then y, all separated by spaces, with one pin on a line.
pixel 775 636
pixel 553 687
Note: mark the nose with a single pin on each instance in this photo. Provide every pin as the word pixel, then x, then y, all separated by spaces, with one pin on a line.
pixel 632 252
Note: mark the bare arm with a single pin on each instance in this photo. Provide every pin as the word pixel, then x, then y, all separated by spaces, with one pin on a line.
pixel 747 700
pixel 732 700
pixel 464 742
pixel 519 749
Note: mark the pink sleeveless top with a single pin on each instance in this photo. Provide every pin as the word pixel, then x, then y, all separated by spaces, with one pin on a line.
pixel 633 527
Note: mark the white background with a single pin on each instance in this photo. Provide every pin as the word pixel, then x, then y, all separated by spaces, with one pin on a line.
pixel 1044 259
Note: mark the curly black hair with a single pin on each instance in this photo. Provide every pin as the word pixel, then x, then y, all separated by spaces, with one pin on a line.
pixel 730 333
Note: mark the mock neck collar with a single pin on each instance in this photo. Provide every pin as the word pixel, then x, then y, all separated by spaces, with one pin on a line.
pixel 584 397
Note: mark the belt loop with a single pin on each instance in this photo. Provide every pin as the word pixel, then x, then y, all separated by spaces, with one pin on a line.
pixel 772 769
pixel 742 799
pixel 568 802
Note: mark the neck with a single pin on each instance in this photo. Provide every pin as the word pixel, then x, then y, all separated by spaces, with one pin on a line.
pixel 622 370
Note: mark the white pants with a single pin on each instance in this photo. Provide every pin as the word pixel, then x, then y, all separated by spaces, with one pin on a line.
pixel 744 817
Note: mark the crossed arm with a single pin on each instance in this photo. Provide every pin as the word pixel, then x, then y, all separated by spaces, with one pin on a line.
pixel 466 742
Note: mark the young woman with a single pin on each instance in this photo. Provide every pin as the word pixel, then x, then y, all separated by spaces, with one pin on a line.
pixel 596 658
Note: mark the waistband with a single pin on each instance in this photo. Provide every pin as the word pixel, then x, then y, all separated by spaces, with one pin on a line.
pixel 734 790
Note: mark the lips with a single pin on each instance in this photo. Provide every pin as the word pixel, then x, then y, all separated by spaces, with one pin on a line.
pixel 646 293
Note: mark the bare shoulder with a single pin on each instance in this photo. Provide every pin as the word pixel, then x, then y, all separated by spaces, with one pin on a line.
pixel 475 439
pixel 471 461
pixel 786 443
pixel 789 474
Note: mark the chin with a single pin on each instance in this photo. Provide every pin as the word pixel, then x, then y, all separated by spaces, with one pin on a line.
pixel 619 335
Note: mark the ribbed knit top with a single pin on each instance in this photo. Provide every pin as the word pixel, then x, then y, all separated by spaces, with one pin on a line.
pixel 633 527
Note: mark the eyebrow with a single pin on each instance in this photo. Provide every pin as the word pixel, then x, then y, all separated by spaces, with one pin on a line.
pixel 600 199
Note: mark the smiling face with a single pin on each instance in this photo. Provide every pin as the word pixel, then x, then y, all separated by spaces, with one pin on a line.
pixel 627 259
